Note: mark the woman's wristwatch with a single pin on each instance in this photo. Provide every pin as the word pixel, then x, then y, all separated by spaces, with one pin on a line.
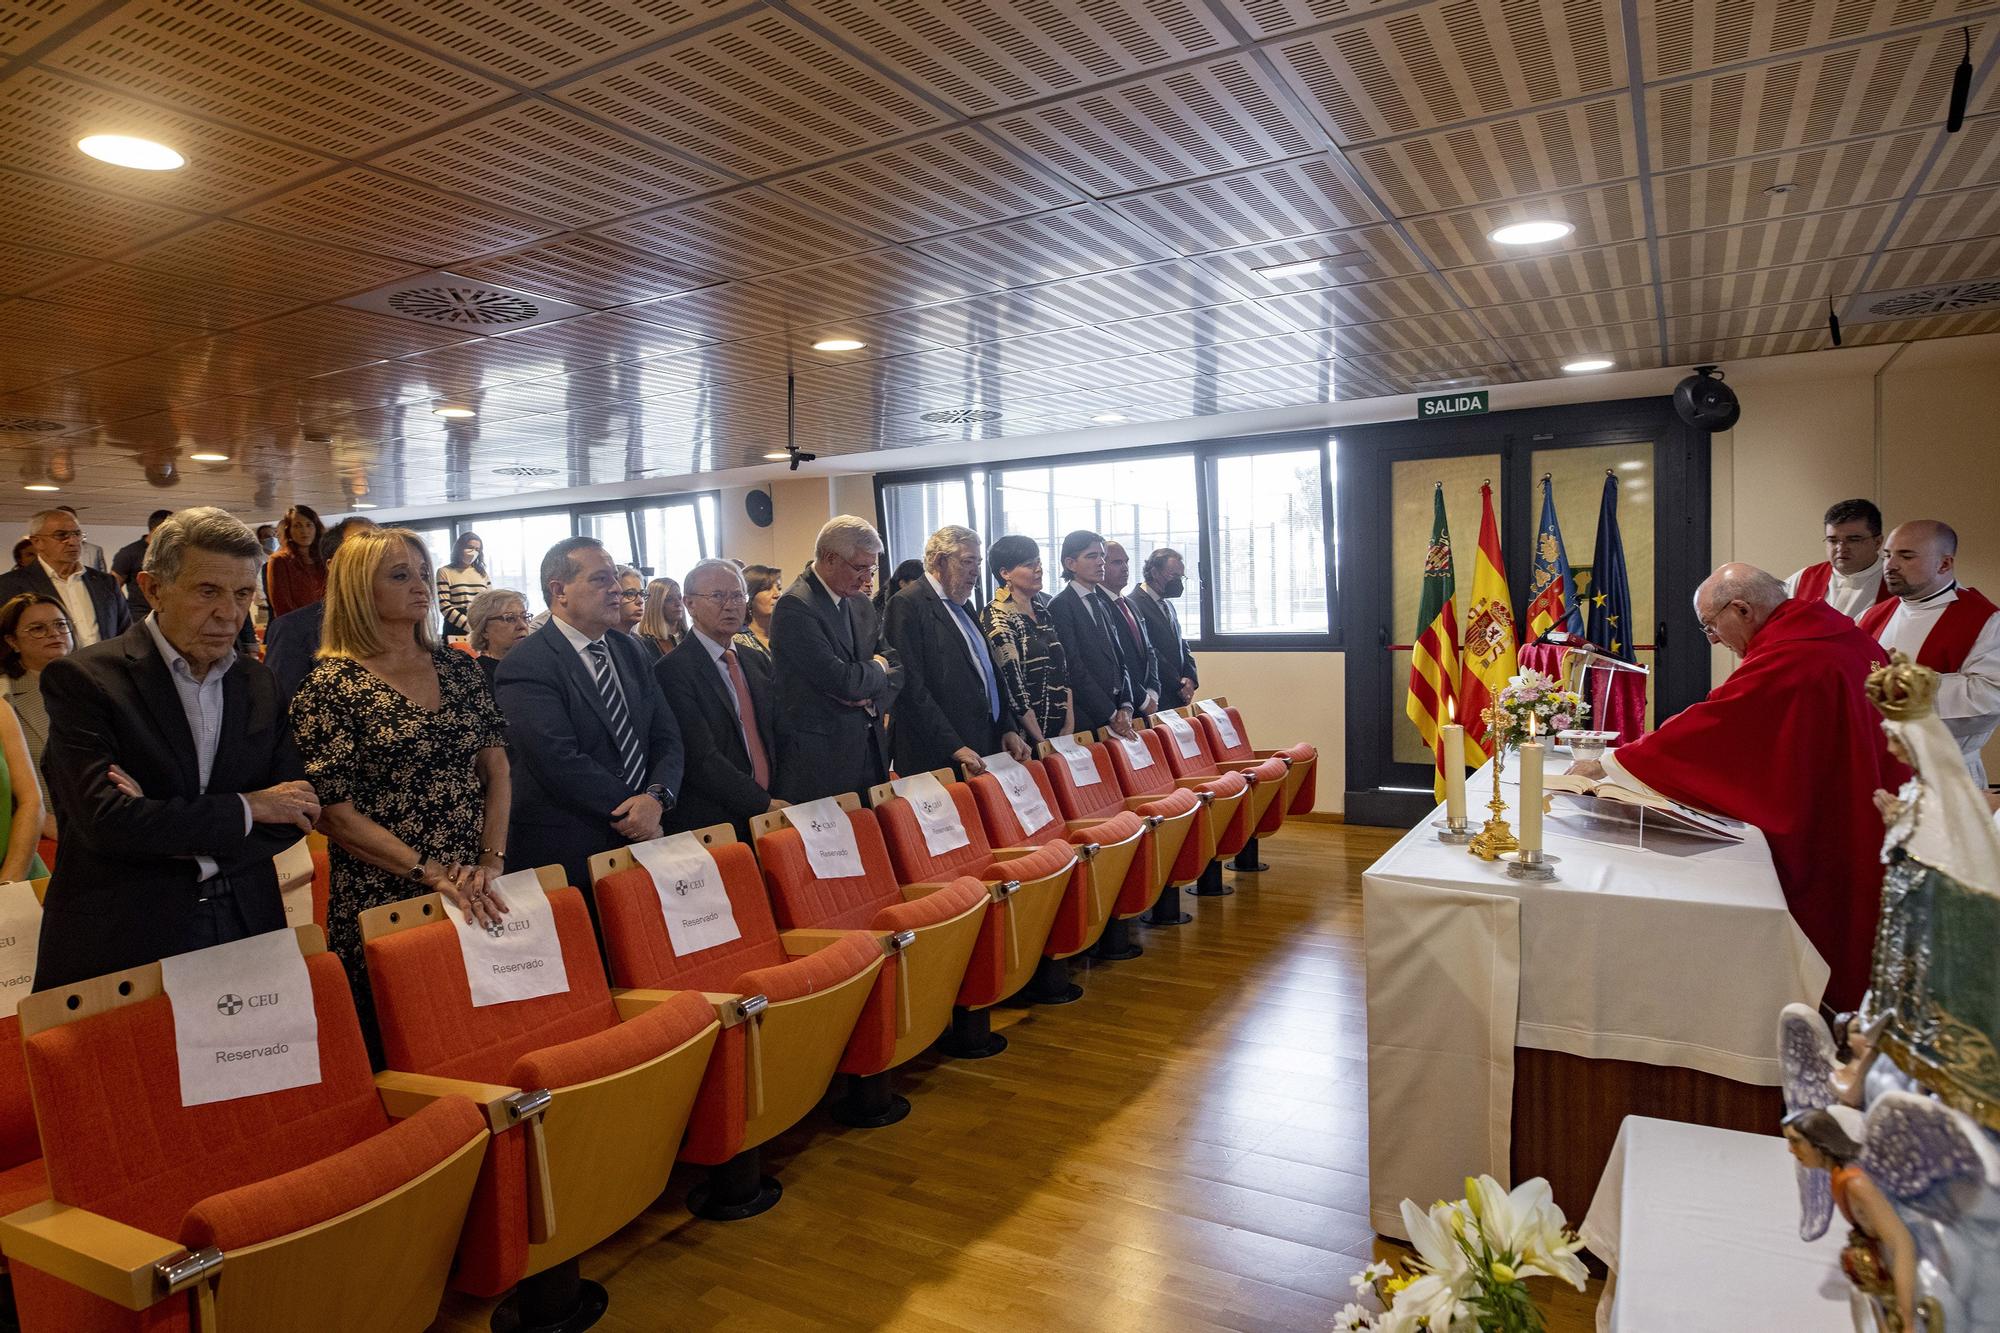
pixel 415 874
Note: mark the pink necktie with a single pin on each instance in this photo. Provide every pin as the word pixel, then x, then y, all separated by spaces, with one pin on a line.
pixel 746 713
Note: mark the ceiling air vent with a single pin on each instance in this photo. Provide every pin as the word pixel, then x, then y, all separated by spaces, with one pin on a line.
pixel 524 470
pixel 1945 298
pixel 960 416
pixel 30 426
pixel 450 301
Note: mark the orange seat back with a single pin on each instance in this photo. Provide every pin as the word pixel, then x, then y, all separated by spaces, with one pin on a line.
pixel 801 899
pixel 1211 737
pixel 18 1142
pixel 913 861
pixel 1200 765
pixel 1094 800
pixel 640 951
pixel 1003 826
pixel 1155 780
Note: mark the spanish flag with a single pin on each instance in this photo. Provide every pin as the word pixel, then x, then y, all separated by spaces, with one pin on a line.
pixel 1489 630
pixel 1434 652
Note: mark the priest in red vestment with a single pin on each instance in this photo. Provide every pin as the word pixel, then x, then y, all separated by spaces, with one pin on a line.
pixel 1789 743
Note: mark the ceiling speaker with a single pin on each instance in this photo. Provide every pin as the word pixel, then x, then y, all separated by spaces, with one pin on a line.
pixel 1703 401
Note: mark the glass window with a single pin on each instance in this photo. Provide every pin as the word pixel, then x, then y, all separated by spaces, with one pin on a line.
pixel 674 535
pixel 515 545
pixel 1141 503
pixel 437 540
pixel 1270 543
pixel 913 510
pixel 611 527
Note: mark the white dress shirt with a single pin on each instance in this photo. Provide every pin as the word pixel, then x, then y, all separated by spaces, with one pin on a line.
pixel 974 649
pixel 1968 700
pixel 715 651
pixel 578 641
pixel 1849 594
pixel 201 701
pixel 74 594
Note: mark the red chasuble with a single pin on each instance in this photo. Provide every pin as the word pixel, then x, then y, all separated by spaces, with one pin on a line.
pixel 1790 743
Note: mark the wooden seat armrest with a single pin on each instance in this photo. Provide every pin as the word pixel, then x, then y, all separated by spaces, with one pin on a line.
pixel 731 1009
pixel 105 1258
pixel 1261 755
pixel 1236 765
pixel 1141 802
pixel 638 1000
pixel 1195 784
pixel 922 889
pixel 799 943
pixel 1013 853
pixel 404 1094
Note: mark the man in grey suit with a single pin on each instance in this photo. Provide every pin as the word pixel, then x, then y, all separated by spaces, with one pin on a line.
pixel 835 677
pixel 1165 580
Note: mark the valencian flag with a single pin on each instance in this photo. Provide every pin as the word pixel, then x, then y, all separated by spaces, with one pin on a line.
pixel 1610 598
pixel 1489 630
pixel 1552 591
pixel 1434 652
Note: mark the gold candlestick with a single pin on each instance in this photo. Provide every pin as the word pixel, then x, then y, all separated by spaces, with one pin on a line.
pixel 1496 837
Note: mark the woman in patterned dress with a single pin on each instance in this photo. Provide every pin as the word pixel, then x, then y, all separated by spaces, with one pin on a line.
pixel 404 744
pixel 1034 674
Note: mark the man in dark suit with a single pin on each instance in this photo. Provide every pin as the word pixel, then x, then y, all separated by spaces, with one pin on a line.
pixel 171 769
pixel 1083 618
pixel 595 749
pixel 291 642
pixel 835 677
pixel 90 598
pixel 1165 581
pixel 1142 669
pixel 722 700
pixel 131 556
pixel 951 710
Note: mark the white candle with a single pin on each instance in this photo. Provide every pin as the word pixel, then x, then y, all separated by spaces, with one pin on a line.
pixel 1531 792
pixel 1453 743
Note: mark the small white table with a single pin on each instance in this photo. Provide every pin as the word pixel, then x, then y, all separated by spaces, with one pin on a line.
pixel 1700 1227
pixel 1679 953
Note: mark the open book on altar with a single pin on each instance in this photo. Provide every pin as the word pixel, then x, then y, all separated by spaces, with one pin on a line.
pixel 1608 800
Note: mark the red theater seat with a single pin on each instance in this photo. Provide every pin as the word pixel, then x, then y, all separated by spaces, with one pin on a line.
pixel 786 1020
pixel 1263 781
pixel 314 1206
pixel 1168 821
pixel 1027 887
pixel 1220 798
pixel 1301 782
pixel 588 1093
pixel 928 943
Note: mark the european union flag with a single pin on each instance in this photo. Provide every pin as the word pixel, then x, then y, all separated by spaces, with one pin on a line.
pixel 1610 625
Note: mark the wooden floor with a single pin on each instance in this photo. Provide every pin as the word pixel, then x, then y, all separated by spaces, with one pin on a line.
pixel 1184 1148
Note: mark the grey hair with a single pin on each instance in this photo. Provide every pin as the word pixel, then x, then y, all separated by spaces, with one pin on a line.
pixel 216 531
pixel 484 607
pixel 846 536
pixel 1756 589
pixel 559 565
pixel 945 543
pixel 627 572
pixel 44 515
pixel 704 566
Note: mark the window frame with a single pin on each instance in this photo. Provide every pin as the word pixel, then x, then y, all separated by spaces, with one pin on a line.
pixel 1204 454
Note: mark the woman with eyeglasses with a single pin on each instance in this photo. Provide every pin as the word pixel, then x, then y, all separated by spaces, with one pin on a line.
pixel 663 617
pixel 295 575
pixel 498 619
pixel 461 581
pixel 34 631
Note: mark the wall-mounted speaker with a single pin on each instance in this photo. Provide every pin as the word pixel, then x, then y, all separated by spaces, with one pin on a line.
pixel 757 505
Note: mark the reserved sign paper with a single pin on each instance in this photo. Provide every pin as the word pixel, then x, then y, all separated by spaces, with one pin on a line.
pixel 1182 731
pixel 519 957
pixel 829 838
pixel 937 813
pixel 1082 766
pixel 693 899
pixel 1023 792
pixel 1137 752
pixel 244 1022
pixel 20 941
pixel 1220 716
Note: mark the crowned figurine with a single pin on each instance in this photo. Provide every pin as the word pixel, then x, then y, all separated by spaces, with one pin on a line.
pixel 1896 1123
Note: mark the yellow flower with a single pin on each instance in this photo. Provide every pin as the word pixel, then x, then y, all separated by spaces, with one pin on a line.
pixel 1502 1273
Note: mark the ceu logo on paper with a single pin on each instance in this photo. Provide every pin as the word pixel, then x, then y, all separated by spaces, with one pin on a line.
pixel 933 808
pixel 821 825
pixel 682 887
pixel 496 929
pixel 229 1006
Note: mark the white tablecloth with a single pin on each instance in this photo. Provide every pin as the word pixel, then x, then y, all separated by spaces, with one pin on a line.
pixel 1678 953
pixel 1701 1228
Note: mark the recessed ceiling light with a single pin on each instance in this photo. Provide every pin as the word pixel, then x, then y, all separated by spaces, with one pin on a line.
pixel 839 345
pixel 1587 364
pixel 362 504
pixel 40 486
pixel 209 457
pixel 1530 233
pixel 455 413
pixel 1110 418
pixel 776 456
pixel 1272 272
pixel 125 150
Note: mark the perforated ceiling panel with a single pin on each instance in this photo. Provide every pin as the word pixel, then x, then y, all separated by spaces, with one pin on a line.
pixel 1032 212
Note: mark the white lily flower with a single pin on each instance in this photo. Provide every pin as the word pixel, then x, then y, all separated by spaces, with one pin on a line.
pixel 1526 1223
pixel 1433 1235
pixel 1429 1303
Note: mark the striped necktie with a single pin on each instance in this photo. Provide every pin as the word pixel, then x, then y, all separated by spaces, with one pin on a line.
pixel 621 720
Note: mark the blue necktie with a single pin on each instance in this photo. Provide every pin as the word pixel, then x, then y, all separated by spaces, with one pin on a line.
pixel 621 721
pixel 977 644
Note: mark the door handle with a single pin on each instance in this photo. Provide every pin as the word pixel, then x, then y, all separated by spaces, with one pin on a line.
pixel 1382 636
pixel 1660 636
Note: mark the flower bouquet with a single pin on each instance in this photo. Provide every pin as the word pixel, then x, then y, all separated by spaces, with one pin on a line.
pixel 1531 694
pixel 1474 1261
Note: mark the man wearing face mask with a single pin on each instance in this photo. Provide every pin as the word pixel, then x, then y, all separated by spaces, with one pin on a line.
pixel 1165 580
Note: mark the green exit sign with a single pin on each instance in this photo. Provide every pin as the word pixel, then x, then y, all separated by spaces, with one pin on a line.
pixel 1468 404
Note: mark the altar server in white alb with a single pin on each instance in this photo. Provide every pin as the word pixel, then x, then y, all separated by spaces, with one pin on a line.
pixel 1942 624
pixel 1851 578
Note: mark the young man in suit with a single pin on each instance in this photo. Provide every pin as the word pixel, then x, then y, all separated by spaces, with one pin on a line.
pixel 722 700
pixel 1165 580
pixel 951 710
pixel 171 769
pixel 1142 667
pixel 835 677
pixel 595 749
pixel 97 610
pixel 1085 622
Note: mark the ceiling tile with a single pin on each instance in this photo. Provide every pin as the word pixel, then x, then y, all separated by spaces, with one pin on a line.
pixel 1681 38
pixel 589 270
pixel 386 215
pixel 1625 305
pixel 1765 286
pixel 1561 148
pixel 944 183
pixel 1812 181
pixel 1066 243
pixel 1769 244
pixel 1195 328
pixel 1602 216
pixel 1949 217
pixel 1193 122
pixel 985 319
pixel 1971 157
pixel 1156 289
pixel 47 342
pixel 1451 360
pixel 738 235
pixel 23 25
pixel 867 283
pixel 590 340
pixel 80 221
pixel 983 55
pixel 1272 18
pixel 1570 274
pixel 722 313
pixel 1269 204
pixel 1393 335
pixel 1957 261
pixel 1361 302
pixel 1722 351
pixel 1361 255
pixel 22 267
pixel 278 68
pixel 1955 325
pixel 1425 67
pixel 1559 345
pixel 1785 317
pixel 756 96
pixel 529 41
pixel 543 162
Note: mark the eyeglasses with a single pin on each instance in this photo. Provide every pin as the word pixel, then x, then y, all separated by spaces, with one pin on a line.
pixel 864 566
pixel 56 630
pixel 510 619
pixel 633 594
pixel 723 598
pixel 63 534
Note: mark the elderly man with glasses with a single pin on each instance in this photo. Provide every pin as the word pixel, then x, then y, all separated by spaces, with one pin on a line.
pixel 722 699
pixel 97 610
pixel 952 710
pixel 836 678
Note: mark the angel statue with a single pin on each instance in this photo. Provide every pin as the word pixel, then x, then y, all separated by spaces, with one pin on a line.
pixel 1898 1125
